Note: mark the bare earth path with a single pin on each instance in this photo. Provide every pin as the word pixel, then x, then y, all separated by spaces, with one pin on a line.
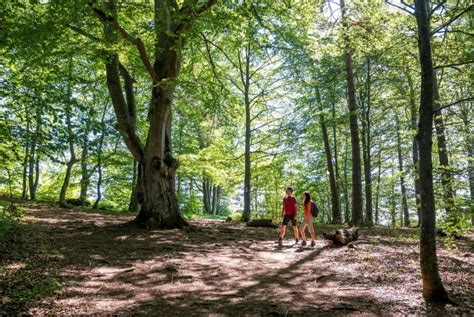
pixel 106 267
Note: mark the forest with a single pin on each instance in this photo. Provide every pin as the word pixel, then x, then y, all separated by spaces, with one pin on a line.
pixel 146 147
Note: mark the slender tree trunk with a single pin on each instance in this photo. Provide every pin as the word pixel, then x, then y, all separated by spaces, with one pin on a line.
pixel 406 215
pixel 85 173
pixel 366 140
pixel 466 115
pixel 346 185
pixel 446 177
pixel 205 195
pixel 135 198
pixel 33 177
pixel 393 204
pixel 24 189
pixel 433 289
pixel 357 216
pixel 415 148
pixel 336 210
pixel 99 161
pixel 247 178
pixel 214 199
pixel 377 189
pixel 72 156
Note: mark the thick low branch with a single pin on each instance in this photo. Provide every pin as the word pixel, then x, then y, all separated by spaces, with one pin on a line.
pixel 125 123
pixel 110 20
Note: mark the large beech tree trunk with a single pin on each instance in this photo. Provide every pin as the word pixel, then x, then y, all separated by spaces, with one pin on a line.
pixel 433 289
pixel 357 216
pixel 157 167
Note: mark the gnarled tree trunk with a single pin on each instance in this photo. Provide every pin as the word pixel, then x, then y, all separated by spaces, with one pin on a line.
pixel 157 167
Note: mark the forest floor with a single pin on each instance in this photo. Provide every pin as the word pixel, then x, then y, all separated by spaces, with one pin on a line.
pixel 69 262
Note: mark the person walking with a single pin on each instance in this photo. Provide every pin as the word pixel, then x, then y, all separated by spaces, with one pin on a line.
pixel 289 211
pixel 307 219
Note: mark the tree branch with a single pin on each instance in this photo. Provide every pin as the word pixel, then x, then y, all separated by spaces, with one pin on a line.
pixel 453 64
pixel 110 20
pixel 452 104
pixel 450 21
pixel 400 7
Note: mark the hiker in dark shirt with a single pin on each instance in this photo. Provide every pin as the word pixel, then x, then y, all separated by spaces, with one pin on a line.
pixel 289 212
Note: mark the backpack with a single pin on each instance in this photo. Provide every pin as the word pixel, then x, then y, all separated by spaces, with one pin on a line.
pixel 314 209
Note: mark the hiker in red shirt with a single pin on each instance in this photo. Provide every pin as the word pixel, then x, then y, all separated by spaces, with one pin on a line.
pixel 289 212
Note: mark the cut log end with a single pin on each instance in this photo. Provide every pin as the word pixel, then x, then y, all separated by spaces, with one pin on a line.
pixel 343 236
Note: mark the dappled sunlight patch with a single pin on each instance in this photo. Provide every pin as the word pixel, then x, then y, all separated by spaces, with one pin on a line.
pixel 110 268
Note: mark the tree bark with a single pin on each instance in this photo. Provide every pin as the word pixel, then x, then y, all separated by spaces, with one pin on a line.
pixel 377 189
pixel 466 116
pixel 134 205
pixel 405 221
pixel 415 148
pixel 247 177
pixel 33 163
pixel 24 189
pixel 433 289
pixel 366 152
pixel 446 176
pixel 99 161
pixel 356 214
pixel 72 155
pixel 336 210
pixel 346 190
pixel 214 199
pixel 85 173
pixel 157 167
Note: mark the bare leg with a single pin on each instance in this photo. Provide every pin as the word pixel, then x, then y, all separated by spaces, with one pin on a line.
pixel 295 232
pixel 282 231
pixel 302 230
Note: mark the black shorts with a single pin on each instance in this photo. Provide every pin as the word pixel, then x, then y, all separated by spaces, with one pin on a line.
pixel 287 219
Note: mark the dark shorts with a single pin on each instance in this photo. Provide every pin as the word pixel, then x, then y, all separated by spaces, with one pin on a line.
pixel 288 218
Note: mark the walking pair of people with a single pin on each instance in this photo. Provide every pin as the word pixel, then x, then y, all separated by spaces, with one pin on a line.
pixel 290 211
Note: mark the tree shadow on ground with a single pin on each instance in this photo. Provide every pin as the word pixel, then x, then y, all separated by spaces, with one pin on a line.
pixel 106 267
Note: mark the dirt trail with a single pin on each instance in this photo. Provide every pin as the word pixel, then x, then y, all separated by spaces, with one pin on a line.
pixel 106 267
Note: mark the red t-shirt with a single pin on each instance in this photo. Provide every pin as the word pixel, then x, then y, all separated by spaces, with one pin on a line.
pixel 289 205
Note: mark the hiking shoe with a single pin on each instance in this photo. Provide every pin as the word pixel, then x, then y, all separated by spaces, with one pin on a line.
pixel 313 243
pixel 296 240
pixel 280 241
pixel 303 243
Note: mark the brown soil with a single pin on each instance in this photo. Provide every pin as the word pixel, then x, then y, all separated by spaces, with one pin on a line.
pixel 218 268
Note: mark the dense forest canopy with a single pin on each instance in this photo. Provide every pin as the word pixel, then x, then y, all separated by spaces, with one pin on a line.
pixel 172 109
pixel 260 102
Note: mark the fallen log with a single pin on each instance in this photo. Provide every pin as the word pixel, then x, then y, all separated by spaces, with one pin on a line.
pixel 261 223
pixel 343 236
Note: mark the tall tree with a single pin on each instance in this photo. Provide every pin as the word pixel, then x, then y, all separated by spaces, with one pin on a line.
pixel 405 220
pixel 159 204
pixel 433 289
pixel 336 209
pixel 356 215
